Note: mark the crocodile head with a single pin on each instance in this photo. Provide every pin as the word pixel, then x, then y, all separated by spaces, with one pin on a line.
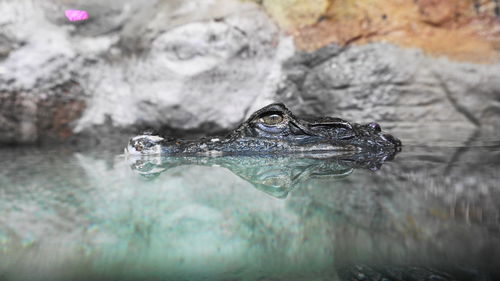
pixel 275 129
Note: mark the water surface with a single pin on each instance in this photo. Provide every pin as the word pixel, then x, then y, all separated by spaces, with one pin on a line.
pixel 433 211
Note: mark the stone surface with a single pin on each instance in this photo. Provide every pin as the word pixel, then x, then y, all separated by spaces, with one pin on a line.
pixel 383 82
pixel 164 64
pixel 459 29
pixel 39 94
pixel 203 66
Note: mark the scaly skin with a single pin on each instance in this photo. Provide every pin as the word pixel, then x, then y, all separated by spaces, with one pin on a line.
pixel 275 130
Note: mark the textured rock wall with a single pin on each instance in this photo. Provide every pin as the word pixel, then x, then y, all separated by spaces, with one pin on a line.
pixel 203 66
pixel 399 86
pixel 185 66
pixel 467 30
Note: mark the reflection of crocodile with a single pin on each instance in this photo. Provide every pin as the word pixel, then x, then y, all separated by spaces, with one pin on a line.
pixel 276 176
pixel 274 129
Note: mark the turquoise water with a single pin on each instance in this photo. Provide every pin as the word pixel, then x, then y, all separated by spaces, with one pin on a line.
pixel 98 215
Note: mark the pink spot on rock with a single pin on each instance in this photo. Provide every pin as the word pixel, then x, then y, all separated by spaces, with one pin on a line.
pixel 76 15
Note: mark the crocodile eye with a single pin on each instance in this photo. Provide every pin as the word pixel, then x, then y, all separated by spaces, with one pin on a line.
pixel 375 126
pixel 272 119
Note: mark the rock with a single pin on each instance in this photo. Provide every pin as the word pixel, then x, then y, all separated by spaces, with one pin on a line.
pixel 204 66
pixel 461 30
pixel 293 13
pixel 38 93
pixel 195 74
pixel 398 87
pixel 438 12
pixel 131 70
pixel 473 90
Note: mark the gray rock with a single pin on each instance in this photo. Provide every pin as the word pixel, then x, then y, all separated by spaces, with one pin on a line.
pixel 203 66
pixel 163 64
pixel 400 87
pixel 39 93
pixel 201 72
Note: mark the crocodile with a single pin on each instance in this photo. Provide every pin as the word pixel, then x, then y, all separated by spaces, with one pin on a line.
pixel 274 129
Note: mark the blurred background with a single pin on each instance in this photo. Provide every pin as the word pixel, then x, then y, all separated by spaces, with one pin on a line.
pixel 202 66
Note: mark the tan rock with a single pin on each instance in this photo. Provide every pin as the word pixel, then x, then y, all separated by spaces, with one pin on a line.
pixel 296 13
pixel 462 30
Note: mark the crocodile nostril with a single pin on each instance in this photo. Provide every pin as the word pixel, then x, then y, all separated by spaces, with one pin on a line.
pixel 391 139
pixel 397 142
pixel 374 126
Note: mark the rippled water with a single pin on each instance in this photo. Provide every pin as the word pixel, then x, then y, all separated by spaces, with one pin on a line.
pixel 432 212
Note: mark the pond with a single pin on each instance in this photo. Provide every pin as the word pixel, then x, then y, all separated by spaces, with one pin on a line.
pixel 431 213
